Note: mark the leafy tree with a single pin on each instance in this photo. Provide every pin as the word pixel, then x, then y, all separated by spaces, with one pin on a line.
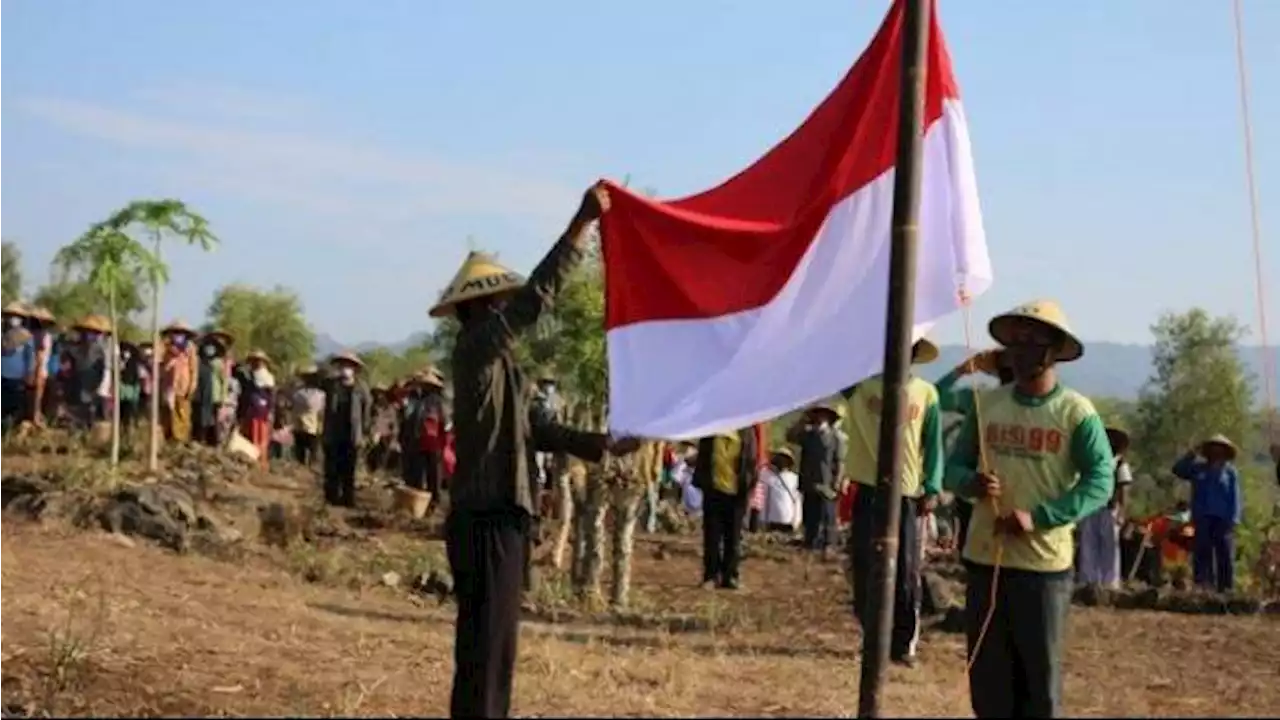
pixel 70 298
pixel 1198 387
pixel 270 320
pixel 12 279
pixel 108 260
pixel 158 220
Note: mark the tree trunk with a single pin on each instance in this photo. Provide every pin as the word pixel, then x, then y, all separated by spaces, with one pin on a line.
pixel 115 378
pixel 153 455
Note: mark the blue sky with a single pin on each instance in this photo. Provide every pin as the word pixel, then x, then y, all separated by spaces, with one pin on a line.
pixel 349 150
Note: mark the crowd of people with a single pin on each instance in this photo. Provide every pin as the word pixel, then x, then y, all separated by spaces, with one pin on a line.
pixel 1040 484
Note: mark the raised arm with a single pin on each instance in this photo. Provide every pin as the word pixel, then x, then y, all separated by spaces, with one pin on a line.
pixel 499 330
pixel 1187 466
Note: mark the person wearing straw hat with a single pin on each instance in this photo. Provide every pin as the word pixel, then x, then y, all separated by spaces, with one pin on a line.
pixel 1098 550
pixel 922 465
pixel 424 416
pixel 1216 509
pixel 19 363
pixel 493 507
pixel 89 360
pixel 210 387
pixel 178 368
pixel 308 409
pixel 1035 459
pixel 348 415
pixel 257 402
pixel 820 472
pixel 43 327
pixel 781 492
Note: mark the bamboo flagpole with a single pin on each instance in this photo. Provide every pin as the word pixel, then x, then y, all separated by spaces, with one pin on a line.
pixel 897 351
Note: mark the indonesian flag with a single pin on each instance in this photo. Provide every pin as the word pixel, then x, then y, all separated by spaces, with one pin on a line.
pixel 768 292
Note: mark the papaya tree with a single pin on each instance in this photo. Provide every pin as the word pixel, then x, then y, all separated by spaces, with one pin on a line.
pixel 107 261
pixel 157 221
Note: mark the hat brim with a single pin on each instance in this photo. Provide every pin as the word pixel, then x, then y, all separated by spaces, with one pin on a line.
pixel 1119 438
pixel 178 330
pixel 18 311
pixel 448 308
pixel 346 359
pixel 924 352
pixel 224 338
pixel 1231 448
pixel 1002 327
pixel 92 326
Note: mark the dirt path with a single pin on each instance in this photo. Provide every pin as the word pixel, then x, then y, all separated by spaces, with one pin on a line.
pixel 93 627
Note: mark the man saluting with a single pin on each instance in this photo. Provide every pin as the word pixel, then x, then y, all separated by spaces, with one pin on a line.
pixel 492 492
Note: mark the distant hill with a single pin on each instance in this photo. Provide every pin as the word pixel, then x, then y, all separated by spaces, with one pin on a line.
pixel 1106 370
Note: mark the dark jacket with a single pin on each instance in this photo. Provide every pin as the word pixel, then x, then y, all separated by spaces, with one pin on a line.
pixel 493 428
pixel 819 465
pixel 359 420
pixel 747 472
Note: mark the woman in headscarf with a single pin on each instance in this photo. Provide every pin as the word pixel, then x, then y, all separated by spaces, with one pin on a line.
pixel 211 387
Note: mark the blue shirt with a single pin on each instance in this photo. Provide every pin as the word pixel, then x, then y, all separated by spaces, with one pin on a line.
pixel 1215 492
pixel 16 365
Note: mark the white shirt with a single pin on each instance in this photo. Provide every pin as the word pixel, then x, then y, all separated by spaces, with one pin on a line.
pixel 782 497
pixel 691 495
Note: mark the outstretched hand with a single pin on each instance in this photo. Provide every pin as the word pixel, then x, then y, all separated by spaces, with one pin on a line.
pixel 595 202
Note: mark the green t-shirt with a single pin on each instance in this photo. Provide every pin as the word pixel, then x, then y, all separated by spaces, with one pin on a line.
pixel 1053 459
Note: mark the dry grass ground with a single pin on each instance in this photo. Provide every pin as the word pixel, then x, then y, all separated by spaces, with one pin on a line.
pixel 92 626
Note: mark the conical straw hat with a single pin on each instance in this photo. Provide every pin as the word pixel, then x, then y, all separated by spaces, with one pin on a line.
pixel 1224 441
pixel 16 307
pixel 1119 437
pixel 42 314
pixel 94 323
pixel 178 326
pixel 222 337
pixel 480 275
pixel 348 357
pixel 258 355
pixel 1045 312
pixel 924 352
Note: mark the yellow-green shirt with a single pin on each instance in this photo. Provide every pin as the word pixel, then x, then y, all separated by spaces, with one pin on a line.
pixel 724 463
pixel 1053 460
pixel 922 455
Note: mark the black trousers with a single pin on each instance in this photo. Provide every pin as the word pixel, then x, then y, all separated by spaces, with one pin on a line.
pixel 130 412
pixel 1018 668
pixel 819 518
pixel 722 520
pixel 340 473
pixel 14 399
pixel 907 590
pixel 963 512
pixel 304 447
pixel 413 469
pixel 487 555
pixel 206 434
